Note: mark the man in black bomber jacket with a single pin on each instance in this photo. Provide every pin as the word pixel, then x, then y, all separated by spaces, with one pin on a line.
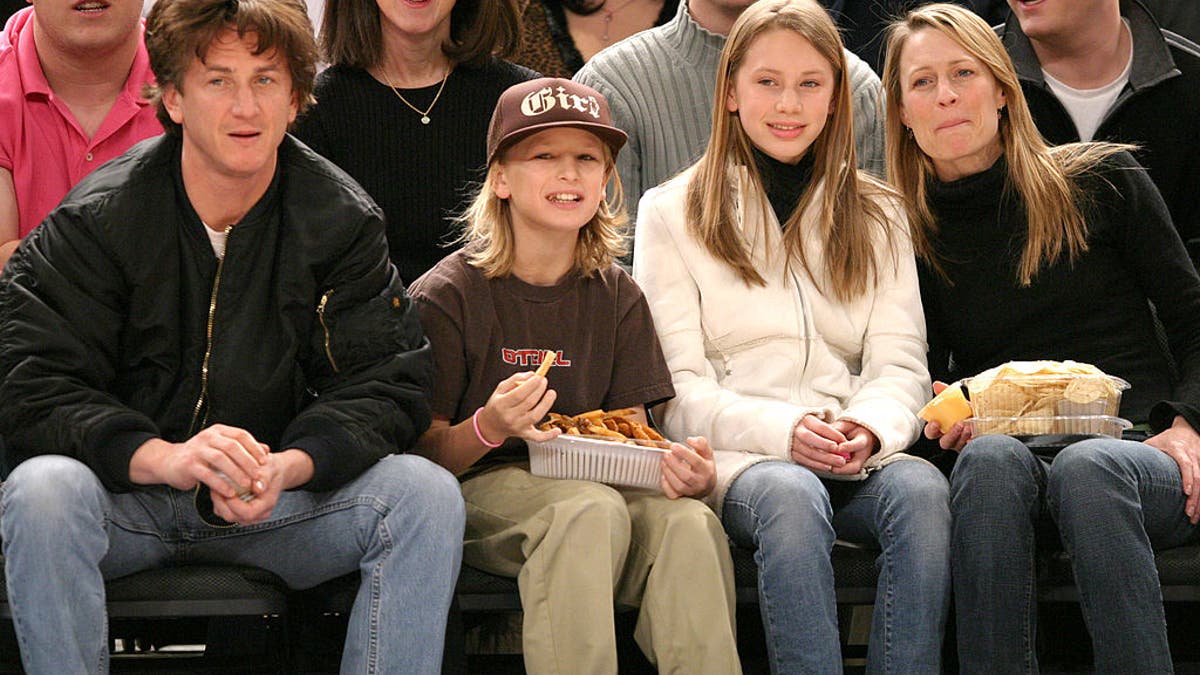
pixel 207 356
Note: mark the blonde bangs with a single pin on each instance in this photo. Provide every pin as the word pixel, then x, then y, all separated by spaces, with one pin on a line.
pixel 487 230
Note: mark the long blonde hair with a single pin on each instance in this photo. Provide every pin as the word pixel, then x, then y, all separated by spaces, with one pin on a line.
pixel 1043 176
pixel 847 213
pixel 487 229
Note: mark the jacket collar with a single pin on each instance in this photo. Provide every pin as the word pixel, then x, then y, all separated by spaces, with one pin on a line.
pixel 760 227
pixel 1152 60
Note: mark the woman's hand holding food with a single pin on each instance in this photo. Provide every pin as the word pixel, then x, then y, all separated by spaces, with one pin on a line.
pixel 689 470
pixel 816 444
pixel 956 437
pixel 517 404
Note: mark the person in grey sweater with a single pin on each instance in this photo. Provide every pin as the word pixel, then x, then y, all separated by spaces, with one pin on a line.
pixel 659 85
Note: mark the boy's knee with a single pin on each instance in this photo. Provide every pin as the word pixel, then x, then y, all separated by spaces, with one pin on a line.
pixel 692 518
pixel 594 509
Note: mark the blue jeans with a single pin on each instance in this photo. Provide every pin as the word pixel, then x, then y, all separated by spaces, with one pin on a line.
pixel 400 524
pixel 788 515
pixel 1113 502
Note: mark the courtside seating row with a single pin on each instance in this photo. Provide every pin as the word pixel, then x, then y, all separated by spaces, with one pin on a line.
pixel 220 590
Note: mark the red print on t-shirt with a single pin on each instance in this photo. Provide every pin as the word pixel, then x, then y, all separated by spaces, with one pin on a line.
pixel 530 358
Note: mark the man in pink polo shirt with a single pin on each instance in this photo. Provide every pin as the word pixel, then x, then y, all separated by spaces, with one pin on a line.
pixel 71 77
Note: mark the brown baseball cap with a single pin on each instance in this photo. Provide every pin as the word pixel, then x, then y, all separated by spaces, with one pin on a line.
pixel 529 107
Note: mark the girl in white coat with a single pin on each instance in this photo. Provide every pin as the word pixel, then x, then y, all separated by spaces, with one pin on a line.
pixel 784 292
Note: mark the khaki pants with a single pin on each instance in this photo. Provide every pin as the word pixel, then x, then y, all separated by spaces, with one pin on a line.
pixel 578 548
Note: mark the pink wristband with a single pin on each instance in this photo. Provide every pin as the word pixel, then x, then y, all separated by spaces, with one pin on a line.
pixel 479 434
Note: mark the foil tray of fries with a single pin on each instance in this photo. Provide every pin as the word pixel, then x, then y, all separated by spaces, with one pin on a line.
pixel 605 447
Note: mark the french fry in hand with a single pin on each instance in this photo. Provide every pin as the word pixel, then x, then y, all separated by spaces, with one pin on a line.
pixel 548 360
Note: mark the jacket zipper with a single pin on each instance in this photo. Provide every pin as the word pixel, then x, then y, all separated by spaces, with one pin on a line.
pixel 208 341
pixel 325 327
pixel 806 331
pixel 208 345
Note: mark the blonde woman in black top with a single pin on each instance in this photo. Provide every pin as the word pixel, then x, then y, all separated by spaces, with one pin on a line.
pixel 1033 252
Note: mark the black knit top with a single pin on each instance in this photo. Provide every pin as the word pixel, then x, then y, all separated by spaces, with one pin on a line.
pixel 421 175
pixel 1096 311
pixel 784 183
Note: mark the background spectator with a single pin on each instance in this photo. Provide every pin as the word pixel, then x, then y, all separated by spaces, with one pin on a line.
pixel 404 108
pixel 559 36
pixel 863 22
pixel 1102 70
pixel 70 99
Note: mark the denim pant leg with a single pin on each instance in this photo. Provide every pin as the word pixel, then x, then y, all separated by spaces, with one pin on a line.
pixel 997 492
pixel 56 521
pixel 904 509
pixel 782 511
pixel 400 524
pixel 1114 502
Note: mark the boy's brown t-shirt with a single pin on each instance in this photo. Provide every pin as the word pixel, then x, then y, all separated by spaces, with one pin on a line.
pixel 485 330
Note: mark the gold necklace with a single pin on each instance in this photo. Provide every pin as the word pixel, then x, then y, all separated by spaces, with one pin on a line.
pixel 423 113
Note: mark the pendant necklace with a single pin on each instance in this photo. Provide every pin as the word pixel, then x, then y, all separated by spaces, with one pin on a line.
pixel 608 17
pixel 423 113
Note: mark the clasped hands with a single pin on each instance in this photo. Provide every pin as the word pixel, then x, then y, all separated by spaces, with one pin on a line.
pixel 839 447
pixel 228 460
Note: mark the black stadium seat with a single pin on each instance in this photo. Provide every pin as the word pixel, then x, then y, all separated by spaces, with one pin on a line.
pixel 189 591
pixel 192 592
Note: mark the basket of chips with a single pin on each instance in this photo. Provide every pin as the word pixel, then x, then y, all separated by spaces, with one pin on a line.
pixel 606 447
pixel 1023 398
pixel 1059 425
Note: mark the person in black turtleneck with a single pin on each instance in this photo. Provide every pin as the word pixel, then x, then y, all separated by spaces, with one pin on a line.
pixel 1031 252
pixel 785 296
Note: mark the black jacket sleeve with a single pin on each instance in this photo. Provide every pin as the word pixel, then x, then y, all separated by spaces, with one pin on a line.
pixel 62 305
pixel 370 365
